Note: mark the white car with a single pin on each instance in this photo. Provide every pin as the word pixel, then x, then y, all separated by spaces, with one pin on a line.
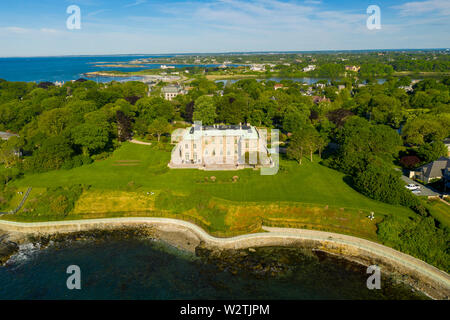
pixel 412 187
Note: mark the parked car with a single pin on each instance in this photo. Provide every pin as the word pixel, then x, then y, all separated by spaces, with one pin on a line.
pixel 412 187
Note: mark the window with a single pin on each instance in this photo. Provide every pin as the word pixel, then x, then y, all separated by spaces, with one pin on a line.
pixel 195 157
pixel 187 156
pixel 195 146
pixel 246 144
pixel 186 146
pixel 228 152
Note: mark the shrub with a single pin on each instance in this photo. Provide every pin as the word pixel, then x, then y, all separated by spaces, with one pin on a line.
pixel 410 162
pixel 419 237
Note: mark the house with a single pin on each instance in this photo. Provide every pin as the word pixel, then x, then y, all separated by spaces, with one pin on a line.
pixel 171 91
pixel 433 170
pixel 447 178
pixel 311 67
pixel 407 88
pixel 163 66
pixel 7 135
pixel 220 147
pixel 278 86
pixel 352 68
pixel 258 67
pixel 447 144
pixel 317 99
pixel 341 87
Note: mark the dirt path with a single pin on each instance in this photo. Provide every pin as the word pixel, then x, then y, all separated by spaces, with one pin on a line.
pixel 140 142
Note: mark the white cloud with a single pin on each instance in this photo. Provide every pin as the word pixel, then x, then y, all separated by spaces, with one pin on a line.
pixel 136 3
pixel 441 7
pixel 48 30
pixel 17 30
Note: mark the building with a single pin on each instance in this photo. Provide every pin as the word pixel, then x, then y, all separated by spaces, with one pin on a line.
pixel 220 147
pixel 7 135
pixel 163 66
pixel 278 86
pixel 258 67
pixel 319 99
pixel 171 91
pixel 447 144
pixel 432 171
pixel 352 68
pixel 311 67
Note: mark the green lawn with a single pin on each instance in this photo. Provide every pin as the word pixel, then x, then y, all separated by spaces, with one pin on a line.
pixel 145 167
pixel 440 211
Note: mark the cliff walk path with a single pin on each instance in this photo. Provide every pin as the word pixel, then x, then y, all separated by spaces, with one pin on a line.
pixel 273 237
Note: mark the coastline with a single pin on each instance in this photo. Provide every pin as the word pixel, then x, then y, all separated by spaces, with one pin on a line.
pixel 187 236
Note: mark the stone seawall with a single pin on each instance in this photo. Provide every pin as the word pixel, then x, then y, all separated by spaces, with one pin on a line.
pixel 428 279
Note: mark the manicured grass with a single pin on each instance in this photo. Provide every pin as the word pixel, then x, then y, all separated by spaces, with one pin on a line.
pixel 440 211
pixel 311 194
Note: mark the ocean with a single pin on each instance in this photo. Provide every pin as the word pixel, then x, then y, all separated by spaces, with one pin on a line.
pixel 38 69
pixel 153 269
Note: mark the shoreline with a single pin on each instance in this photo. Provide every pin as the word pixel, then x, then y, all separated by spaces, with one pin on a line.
pixel 433 282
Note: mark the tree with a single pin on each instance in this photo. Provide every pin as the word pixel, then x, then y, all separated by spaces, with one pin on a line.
pixel 432 151
pixel 205 110
pixel 294 119
pixel 10 151
pixel 425 130
pixel 381 183
pixel 295 148
pixel 90 137
pixel 54 121
pixel 305 139
pixel 159 127
pixel 123 126
pixel 51 155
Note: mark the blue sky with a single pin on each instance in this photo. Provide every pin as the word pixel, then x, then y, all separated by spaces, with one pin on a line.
pixel 38 28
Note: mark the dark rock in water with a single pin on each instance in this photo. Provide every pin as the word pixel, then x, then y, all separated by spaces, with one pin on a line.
pixel 7 249
pixel 137 232
pixel 261 262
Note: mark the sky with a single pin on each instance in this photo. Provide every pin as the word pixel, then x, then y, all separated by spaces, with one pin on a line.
pixel 38 28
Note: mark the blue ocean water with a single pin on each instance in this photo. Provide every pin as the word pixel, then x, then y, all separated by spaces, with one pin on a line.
pixel 37 69
pixel 148 269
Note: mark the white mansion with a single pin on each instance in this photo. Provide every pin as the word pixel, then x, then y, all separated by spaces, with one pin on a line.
pixel 224 147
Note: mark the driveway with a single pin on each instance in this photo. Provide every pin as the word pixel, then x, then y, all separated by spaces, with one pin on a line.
pixel 424 190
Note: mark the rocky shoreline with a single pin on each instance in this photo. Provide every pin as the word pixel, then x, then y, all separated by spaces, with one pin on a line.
pixel 234 258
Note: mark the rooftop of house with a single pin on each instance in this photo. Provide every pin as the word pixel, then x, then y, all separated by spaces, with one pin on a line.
pixel 172 89
pixel 7 135
pixel 244 131
pixel 435 168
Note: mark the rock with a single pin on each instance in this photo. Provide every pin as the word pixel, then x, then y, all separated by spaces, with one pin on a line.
pixel 7 249
pixel 251 250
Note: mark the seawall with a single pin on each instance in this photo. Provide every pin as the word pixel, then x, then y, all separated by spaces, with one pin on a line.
pixel 431 280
